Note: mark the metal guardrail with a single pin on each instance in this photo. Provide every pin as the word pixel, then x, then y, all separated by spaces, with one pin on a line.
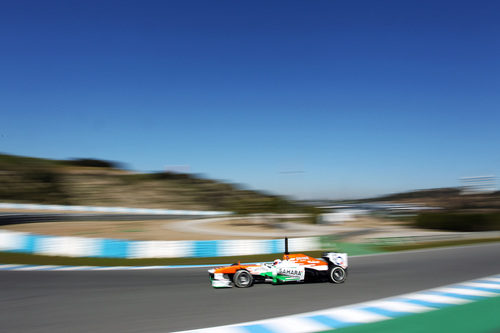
pixel 18 218
pixel 96 209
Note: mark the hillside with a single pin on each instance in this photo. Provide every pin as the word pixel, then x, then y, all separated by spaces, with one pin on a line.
pixel 448 198
pixel 103 183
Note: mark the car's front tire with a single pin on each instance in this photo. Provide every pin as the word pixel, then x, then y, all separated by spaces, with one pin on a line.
pixel 243 279
pixel 337 274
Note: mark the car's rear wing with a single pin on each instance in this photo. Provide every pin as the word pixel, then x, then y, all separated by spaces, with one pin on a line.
pixel 336 259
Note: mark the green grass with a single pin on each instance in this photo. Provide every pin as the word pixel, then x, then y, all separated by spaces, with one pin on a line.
pixel 30 259
pixel 356 249
pixel 428 245
pixel 480 316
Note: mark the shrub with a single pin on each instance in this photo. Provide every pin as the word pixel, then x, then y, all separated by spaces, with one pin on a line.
pixel 459 221
pixel 89 162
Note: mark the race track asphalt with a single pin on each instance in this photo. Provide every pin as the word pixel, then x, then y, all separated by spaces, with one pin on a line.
pixel 181 299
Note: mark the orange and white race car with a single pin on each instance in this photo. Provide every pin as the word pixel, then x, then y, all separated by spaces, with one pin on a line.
pixel 292 268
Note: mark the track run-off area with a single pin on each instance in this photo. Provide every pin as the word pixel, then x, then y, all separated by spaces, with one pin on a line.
pixel 178 299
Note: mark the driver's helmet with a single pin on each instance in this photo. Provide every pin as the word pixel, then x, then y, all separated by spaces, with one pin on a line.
pixel 276 262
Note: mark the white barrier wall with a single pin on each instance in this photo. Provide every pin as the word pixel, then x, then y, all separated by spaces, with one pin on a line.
pixel 14 241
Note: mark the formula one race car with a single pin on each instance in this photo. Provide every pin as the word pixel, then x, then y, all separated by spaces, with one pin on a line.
pixel 293 268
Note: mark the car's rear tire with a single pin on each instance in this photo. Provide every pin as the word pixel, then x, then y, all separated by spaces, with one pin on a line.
pixel 243 279
pixel 337 274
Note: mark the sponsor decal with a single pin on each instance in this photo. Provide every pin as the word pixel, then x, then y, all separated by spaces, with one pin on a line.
pixel 339 260
pixel 309 260
pixel 299 258
pixel 291 271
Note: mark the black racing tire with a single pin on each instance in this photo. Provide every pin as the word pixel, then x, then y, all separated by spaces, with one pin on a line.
pixel 243 279
pixel 337 274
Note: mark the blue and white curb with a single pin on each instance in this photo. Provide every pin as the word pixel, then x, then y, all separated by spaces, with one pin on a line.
pixel 98 209
pixel 373 311
pixel 23 242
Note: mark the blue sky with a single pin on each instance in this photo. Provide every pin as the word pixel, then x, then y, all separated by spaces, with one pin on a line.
pixel 362 97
